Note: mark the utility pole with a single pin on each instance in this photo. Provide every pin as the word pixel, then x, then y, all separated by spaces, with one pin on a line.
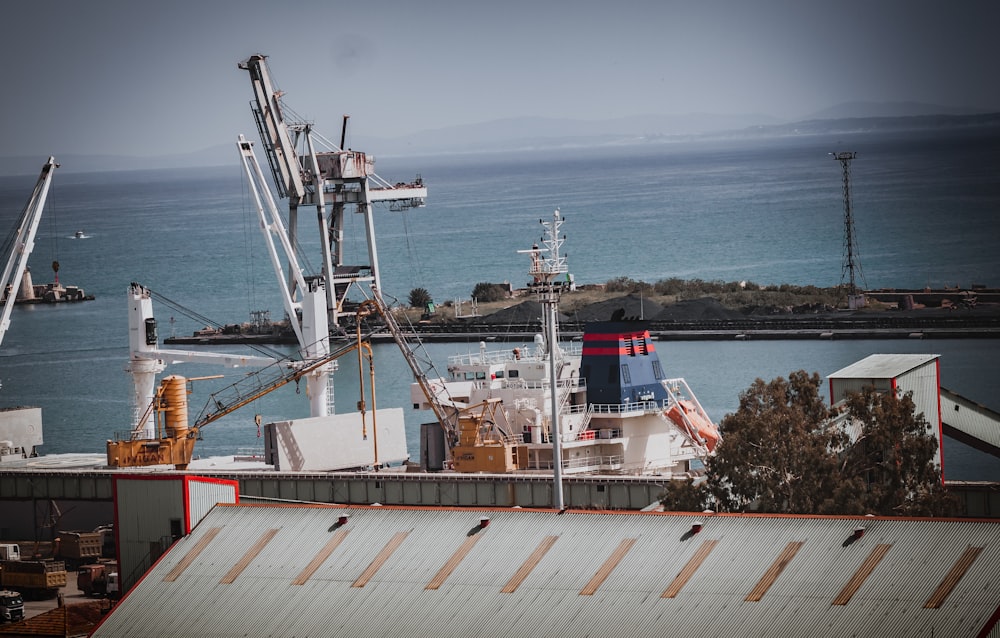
pixel 852 260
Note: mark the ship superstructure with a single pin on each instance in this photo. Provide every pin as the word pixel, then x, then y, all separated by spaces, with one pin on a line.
pixel 615 409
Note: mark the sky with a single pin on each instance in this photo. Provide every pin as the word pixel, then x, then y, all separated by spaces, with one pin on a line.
pixel 145 78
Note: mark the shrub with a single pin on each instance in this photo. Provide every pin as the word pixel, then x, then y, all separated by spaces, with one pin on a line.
pixel 487 292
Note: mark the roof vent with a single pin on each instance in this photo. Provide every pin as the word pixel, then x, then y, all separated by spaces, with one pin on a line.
pixel 342 519
pixel 484 521
pixel 696 527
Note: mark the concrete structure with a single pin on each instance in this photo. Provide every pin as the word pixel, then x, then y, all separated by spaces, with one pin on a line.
pixel 388 571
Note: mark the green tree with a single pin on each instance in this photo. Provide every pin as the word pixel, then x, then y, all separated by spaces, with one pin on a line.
pixel 775 456
pixel 487 292
pixel 419 298
pixel 890 468
pixel 781 452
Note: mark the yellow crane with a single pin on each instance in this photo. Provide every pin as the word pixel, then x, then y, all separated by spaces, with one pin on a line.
pixel 176 438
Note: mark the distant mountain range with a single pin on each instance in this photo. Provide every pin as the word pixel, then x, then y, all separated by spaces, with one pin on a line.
pixel 537 133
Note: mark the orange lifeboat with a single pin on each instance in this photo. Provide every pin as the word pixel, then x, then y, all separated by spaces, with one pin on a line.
pixel 687 417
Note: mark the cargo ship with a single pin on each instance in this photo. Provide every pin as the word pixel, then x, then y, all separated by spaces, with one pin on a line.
pixel 606 407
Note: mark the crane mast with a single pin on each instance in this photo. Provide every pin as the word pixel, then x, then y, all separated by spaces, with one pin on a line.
pixel 332 179
pixel 23 243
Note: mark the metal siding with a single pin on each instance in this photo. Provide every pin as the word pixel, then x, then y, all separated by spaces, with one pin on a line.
pixel 923 383
pixel 627 603
pixel 203 495
pixel 144 509
pixel 970 417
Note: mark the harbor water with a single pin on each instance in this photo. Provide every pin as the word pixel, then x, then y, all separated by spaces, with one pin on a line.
pixel 765 211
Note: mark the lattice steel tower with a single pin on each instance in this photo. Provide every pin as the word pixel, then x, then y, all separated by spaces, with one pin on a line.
pixel 851 269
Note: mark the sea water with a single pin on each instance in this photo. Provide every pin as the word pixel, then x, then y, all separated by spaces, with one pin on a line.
pixel 768 211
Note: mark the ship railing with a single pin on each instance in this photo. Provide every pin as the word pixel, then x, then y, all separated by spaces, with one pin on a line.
pixel 512 439
pixel 632 407
pixel 574 384
pixel 523 353
pixel 590 463
pixel 254 453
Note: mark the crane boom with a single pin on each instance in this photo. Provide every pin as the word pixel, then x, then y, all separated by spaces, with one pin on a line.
pixel 23 243
pixel 445 410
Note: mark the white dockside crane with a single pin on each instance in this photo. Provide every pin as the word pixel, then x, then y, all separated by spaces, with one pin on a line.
pixel 23 242
pixel 146 360
pixel 330 179
pixel 306 310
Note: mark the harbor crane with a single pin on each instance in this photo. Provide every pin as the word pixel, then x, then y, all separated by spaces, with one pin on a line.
pixel 21 243
pixel 331 180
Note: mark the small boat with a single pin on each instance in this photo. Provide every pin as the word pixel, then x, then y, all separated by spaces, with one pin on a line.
pixel 79 235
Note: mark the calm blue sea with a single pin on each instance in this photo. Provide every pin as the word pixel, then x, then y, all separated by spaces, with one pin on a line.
pixel 926 208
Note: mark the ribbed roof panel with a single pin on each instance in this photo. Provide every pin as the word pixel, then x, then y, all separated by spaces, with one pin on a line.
pixel 648 551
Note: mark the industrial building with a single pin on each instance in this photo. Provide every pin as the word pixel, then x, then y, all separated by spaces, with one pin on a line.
pixel 325 570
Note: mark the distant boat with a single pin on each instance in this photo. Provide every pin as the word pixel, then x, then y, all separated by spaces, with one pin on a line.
pixel 80 235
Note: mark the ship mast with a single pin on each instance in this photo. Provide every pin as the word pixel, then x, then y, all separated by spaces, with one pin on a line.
pixel 548 280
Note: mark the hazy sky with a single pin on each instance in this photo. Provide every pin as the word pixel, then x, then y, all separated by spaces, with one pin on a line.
pixel 149 78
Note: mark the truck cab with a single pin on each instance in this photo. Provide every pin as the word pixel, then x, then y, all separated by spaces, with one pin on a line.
pixel 10 551
pixel 11 606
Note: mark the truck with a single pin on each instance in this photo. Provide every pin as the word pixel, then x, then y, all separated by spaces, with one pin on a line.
pixel 76 548
pixel 11 606
pixel 100 579
pixel 33 578
pixel 10 551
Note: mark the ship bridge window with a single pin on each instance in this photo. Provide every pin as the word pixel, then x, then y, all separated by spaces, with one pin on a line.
pixel 469 376
pixel 498 374
pixel 513 374
pixel 480 375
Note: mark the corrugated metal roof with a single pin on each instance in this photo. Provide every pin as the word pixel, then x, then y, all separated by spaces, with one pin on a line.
pixel 628 560
pixel 883 366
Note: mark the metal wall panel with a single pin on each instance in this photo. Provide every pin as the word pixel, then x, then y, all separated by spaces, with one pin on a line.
pixel 203 496
pixel 144 510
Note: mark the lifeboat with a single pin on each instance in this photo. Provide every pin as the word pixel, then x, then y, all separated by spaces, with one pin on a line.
pixel 687 417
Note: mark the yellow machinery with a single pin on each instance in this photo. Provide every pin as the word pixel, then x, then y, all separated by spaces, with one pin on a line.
pixel 482 445
pixel 477 437
pixel 175 445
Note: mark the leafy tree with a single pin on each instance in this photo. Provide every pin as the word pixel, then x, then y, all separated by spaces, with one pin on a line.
pixel 890 468
pixel 781 453
pixel 419 298
pixel 487 292
pixel 774 455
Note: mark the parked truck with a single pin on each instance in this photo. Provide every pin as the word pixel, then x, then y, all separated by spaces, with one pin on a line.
pixel 11 606
pixel 98 579
pixel 77 548
pixel 33 578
